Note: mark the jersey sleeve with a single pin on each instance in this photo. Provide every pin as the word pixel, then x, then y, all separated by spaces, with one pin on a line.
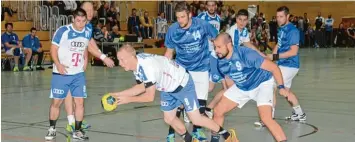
pixel 4 39
pixel 251 57
pixel 146 73
pixel 26 42
pixel 58 35
pixel 169 43
pixel 294 37
pixel 210 30
pixel 215 75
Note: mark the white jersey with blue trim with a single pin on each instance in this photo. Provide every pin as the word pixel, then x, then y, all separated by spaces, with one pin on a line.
pixel 71 47
pixel 215 21
pixel 238 36
pixel 159 70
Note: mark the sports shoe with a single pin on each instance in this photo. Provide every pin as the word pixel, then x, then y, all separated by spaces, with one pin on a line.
pixel 70 128
pixel 170 138
pixel 296 117
pixel 232 137
pixel 26 68
pixel 199 135
pixel 259 124
pixel 16 69
pixel 51 134
pixel 186 118
pixel 85 125
pixel 209 113
pixel 80 135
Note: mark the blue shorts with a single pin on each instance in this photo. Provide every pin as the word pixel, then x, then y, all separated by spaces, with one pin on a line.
pixel 186 96
pixel 61 84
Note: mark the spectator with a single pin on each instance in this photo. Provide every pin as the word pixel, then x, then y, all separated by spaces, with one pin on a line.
pixel 134 24
pixel 115 33
pixel 102 35
pixel 6 9
pixel 265 39
pixel 201 9
pixel 341 35
pixel 162 25
pixel 31 41
pixel 102 11
pixel 112 18
pixel 147 25
pixel 329 29
pixel 319 21
pixel 310 34
pixel 14 48
pixel 319 36
pixel 273 29
pixel 351 34
pixel 301 29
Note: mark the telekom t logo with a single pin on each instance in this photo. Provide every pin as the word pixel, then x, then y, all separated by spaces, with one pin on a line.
pixel 76 58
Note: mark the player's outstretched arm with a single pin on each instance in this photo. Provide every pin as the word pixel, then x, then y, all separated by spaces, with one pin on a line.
pixel 147 96
pixel 250 45
pixel 94 50
pixel 292 52
pixel 276 72
pixel 133 91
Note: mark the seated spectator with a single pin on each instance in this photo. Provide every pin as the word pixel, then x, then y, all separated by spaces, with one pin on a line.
pixel 112 18
pixel 351 34
pixel 147 25
pixel 162 25
pixel 14 48
pixel 31 41
pixel 102 35
pixel 115 33
pixel 134 24
pixel 341 35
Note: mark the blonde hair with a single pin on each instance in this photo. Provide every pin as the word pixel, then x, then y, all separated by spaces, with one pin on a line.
pixel 128 48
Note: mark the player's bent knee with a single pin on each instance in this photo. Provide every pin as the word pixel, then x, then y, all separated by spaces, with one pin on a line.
pixel 267 119
pixel 168 119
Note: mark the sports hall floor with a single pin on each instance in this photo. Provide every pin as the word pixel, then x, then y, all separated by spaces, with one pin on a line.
pixel 325 86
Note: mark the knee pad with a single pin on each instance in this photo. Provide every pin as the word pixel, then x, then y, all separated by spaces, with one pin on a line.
pixel 17 52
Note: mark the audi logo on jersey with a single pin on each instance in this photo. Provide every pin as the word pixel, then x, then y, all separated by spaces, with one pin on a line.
pixel 77 44
pixel 57 91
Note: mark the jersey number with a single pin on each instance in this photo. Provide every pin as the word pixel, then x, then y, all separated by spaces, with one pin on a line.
pixel 196 35
pixel 76 58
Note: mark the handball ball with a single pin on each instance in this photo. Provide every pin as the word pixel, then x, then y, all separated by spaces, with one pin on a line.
pixel 108 102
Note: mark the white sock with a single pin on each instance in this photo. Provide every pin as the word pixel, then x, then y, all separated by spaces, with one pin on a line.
pixel 71 119
pixel 273 112
pixel 298 110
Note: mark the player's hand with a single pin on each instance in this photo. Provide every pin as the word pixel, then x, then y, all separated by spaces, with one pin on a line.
pixel 109 62
pixel 120 100
pixel 61 69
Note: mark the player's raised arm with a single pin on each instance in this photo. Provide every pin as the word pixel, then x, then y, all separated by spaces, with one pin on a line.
pixel 94 50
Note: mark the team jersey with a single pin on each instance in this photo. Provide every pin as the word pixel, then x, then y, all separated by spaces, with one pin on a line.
pixel 238 36
pixel 89 27
pixel 243 68
pixel 159 70
pixel 287 36
pixel 71 47
pixel 191 45
pixel 11 38
pixel 215 21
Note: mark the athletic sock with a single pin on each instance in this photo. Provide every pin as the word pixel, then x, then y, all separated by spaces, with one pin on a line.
pixel 224 133
pixel 298 110
pixel 214 137
pixel 52 123
pixel 187 137
pixel 71 119
pixel 78 125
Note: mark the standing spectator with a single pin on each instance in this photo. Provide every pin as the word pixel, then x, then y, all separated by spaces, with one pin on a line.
pixel 273 29
pixel 147 25
pixel 301 29
pixel 329 29
pixel 351 34
pixel 134 24
pixel 31 41
pixel 341 35
pixel 318 32
pixel 14 48
pixel 102 11
pixel 310 34
pixel 162 25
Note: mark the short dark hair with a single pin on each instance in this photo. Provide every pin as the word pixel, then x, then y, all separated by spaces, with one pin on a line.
pixel 243 12
pixel 211 1
pixel 82 3
pixel 133 9
pixel 284 9
pixel 33 28
pixel 7 24
pixel 182 6
pixel 79 12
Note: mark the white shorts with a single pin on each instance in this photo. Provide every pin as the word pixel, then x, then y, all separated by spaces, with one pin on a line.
pixel 10 52
pixel 201 81
pixel 288 74
pixel 263 94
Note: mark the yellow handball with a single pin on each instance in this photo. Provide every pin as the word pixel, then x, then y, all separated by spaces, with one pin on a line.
pixel 108 102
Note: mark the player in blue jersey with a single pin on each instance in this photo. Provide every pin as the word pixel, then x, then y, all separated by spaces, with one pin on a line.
pixel 189 38
pixel 287 57
pixel 69 53
pixel 254 78
pixel 94 50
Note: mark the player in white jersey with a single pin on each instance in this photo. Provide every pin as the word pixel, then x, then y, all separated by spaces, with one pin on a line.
pixel 94 50
pixel 69 53
pixel 176 85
